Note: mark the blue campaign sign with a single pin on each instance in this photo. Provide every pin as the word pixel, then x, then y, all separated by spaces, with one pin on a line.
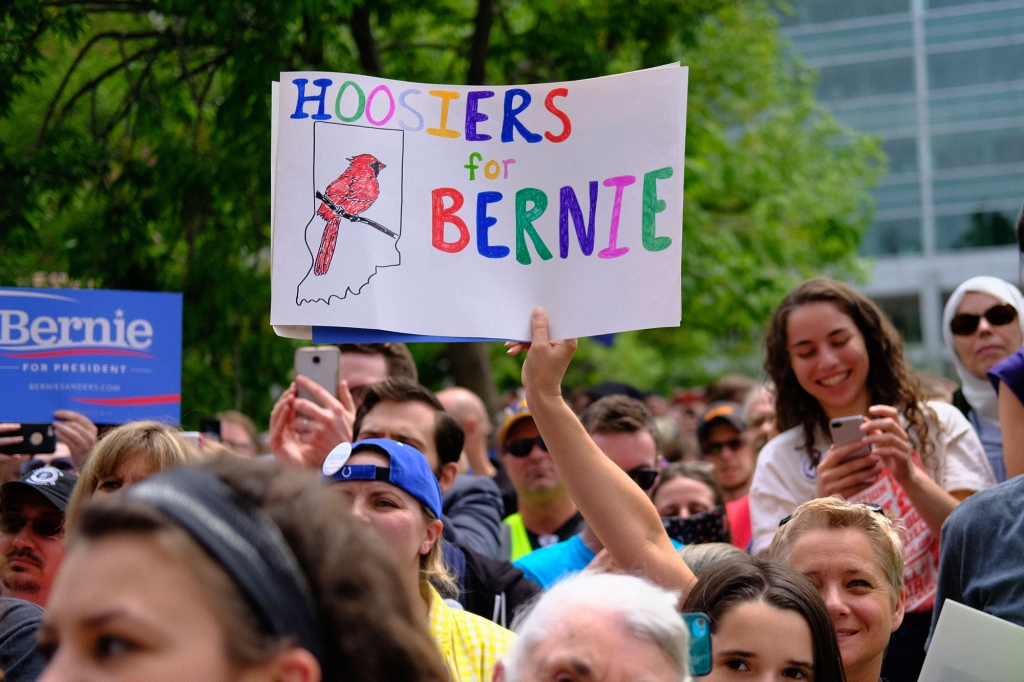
pixel 114 356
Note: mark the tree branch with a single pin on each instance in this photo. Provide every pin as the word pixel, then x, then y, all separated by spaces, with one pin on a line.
pixel 104 6
pixel 478 48
pixel 95 82
pixel 74 65
pixel 369 55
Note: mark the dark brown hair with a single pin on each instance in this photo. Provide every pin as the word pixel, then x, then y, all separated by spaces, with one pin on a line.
pixel 396 355
pixel 743 579
pixel 448 435
pixel 369 629
pixel 890 381
pixel 702 472
pixel 618 414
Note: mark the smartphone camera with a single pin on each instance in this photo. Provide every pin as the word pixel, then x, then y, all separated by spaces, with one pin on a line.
pixel 316 359
pixel 699 628
pixel 837 425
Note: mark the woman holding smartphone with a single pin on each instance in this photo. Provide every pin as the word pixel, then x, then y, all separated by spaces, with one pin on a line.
pixel 832 353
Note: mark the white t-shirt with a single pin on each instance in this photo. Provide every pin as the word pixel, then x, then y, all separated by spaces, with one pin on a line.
pixel 785 477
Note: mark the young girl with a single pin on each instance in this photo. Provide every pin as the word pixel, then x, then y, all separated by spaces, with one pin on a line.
pixel 832 353
pixel 767 623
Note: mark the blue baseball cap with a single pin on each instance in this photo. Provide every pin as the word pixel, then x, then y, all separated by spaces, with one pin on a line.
pixel 408 471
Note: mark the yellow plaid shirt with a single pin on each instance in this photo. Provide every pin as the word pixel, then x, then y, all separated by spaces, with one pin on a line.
pixel 470 645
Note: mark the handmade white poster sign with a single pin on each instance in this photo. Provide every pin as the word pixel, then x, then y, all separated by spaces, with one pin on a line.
pixel 455 210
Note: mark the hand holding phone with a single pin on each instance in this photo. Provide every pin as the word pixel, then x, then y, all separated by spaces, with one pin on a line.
pixel 321 364
pixel 27 439
pixel 847 430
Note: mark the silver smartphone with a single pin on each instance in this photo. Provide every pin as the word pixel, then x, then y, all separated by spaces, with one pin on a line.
pixel 846 430
pixel 319 363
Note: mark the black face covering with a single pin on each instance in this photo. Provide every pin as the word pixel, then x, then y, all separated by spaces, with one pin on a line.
pixel 245 542
pixel 709 526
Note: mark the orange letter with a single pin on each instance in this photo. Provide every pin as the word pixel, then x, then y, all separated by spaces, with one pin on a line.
pixel 446 97
pixel 549 104
pixel 444 215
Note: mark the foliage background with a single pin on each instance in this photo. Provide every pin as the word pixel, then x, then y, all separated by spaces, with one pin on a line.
pixel 134 153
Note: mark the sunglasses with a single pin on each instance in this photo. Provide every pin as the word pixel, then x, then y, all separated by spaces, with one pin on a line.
pixel 966 324
pixel 715 449
pixel 43 526
pixel 524 446
pixel 870 505
pixel 644 477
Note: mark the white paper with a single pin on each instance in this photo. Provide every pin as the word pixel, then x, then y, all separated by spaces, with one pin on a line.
pixel 971 646
pixel 380 264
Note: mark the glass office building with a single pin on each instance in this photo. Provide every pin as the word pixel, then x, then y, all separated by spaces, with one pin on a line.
pixel 942 83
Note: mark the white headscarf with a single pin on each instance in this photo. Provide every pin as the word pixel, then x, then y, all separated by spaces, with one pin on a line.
pixel 979 392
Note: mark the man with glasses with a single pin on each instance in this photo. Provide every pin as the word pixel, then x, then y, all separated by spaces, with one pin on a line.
pixel 722 443
pixel 624 431
pixel 296 437
pixel 32 532
pixel 546 514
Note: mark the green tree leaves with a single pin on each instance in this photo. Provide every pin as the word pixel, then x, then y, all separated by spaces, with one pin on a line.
pixel 135 146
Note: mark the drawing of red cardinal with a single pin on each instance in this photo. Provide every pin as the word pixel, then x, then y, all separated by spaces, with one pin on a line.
pixel 353 192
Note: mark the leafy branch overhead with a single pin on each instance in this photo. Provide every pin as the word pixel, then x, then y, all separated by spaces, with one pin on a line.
pixel 135 146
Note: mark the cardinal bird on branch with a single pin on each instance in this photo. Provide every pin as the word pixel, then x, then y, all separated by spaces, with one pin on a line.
pixel 353 192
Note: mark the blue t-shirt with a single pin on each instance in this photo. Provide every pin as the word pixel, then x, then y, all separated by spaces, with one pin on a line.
pixel 548 565
pixel 981 546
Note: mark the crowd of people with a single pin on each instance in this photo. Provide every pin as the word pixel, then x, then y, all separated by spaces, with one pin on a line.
pixel 382 532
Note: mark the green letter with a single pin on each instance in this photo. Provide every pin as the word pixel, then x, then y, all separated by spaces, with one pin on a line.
pixel 524 224
pixel 652 205
pixel 359 109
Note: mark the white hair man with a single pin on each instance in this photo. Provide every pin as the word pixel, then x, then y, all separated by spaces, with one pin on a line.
pixel 600 627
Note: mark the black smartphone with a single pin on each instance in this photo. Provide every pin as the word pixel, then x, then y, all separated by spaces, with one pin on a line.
pixel 38 439
pixel 210 428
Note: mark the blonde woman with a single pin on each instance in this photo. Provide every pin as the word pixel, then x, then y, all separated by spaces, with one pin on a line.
pixel 853 554
pixel 126 455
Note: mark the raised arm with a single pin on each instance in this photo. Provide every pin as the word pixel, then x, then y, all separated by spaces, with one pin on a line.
pixel 616 509
pixel 1011 420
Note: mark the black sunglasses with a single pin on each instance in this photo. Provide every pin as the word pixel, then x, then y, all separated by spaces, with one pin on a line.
pixel 644 477
pixel 43 526
pixel 966 324
pixel 522 447
pixel 870 505
pixel 715 449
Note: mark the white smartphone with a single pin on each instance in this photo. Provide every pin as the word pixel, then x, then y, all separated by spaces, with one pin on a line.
pixel 319 363
pixel 846 430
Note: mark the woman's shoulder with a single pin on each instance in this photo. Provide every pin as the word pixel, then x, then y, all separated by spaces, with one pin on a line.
pixel 945 415
pixel 784 445
pixel 1010 371
pixel 783 461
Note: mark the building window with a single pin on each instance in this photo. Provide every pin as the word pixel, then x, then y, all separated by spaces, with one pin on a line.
pixel 939 4
pixel 980 148
pixel 902 154
pixel 975 67
pixel 905 314
pixel 972 230
pixel 893 238
pixel 884 77
pixel 822 11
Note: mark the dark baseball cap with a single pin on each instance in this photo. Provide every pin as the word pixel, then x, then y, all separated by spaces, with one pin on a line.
pixel 52 483
pixel 730 413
